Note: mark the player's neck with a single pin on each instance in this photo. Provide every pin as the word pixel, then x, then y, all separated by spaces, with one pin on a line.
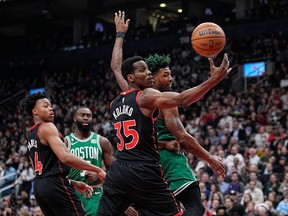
pixel 81 134
pixel 133 86
pixel 37 120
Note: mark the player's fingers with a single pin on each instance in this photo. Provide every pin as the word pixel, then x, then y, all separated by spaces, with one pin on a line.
pixel 211 62
pixel 127 22
pixel 229 70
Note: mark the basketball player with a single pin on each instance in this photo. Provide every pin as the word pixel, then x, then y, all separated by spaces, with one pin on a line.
pixel 51 160
pixel 136 175
pixel 177 171
pixel 93 148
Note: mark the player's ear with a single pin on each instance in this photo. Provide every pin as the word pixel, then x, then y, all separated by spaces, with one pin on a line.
pixel 34 111
pixel 130 77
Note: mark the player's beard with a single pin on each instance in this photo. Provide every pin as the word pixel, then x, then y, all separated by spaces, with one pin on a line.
pixel 84 128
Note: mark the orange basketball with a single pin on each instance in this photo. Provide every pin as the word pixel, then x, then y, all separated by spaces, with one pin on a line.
pixel 208 39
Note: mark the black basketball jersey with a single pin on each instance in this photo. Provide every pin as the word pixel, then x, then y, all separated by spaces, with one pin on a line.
pixel 45 161
pixel 136 133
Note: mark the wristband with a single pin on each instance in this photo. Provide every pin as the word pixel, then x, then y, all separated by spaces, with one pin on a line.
pixel 120 34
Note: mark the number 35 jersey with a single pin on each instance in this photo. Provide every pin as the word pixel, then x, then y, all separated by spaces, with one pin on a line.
pixel 44 160
pixel 136 133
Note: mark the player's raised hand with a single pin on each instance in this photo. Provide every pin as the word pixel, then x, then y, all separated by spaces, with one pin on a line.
pixel 217 166
pixel 218 73
pixel 120 23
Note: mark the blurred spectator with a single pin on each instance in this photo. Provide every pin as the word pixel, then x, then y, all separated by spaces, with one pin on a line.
pixel 226 119
pixel 272 210
pixel 273 198
pixel 230 162
pixel 247 197
pixel 19 204
pixel 253 157
pixel 235 197
pixel 191 127
pixel 214 206
pixel 282 207
pixel 224 142
pixel 212 136
pixel 272 185
pixel 284 184
pixel 32 203
pixel 221 211
pixel 236 186
pixel 223 186
pixel 237 210
pixel 228 203
pixel 256 193
pixel 262 209
pixel 266 171
pixel 204 190
pixel 37 211
pixel 253 176
pixel 249 210
pixel 9 176
pixel 261 138
pixel 26 177
pixel 24 211
pixel 238 132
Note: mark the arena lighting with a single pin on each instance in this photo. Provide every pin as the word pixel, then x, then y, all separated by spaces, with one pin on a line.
pixel 179 10
pixel 162 5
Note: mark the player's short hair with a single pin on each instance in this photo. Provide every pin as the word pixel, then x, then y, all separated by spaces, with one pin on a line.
pixel 28 103
pixel 127 65
pixel 156 62
pixel 77 109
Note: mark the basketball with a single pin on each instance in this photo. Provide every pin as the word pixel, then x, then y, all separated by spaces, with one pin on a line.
pixel 208 39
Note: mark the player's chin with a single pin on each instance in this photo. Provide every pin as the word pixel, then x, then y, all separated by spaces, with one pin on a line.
pixel 50 118
pixel 168 87
pixel 150 84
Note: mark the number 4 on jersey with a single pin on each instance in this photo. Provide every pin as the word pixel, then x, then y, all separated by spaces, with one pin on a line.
pixel 127 131
pixel 38 166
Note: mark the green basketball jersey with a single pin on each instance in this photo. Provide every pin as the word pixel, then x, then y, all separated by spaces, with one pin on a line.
pixel 177 171
pixel 90 151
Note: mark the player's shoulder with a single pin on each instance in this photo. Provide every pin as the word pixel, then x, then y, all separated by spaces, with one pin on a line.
pixel 150 90
pixel 47 126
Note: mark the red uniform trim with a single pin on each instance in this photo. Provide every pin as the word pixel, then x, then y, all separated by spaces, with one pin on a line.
pixel 66 189
pixel 32 127
pixel 127 92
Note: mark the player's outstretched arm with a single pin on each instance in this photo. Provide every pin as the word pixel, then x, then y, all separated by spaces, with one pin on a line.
pixel 188 142
pixel 50 135
pixel 117 53
pixel 151 98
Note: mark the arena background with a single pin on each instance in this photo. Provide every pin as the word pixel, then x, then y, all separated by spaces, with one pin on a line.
pixel 65 46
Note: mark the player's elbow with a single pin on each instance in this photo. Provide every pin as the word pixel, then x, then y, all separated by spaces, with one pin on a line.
pixel 181 137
